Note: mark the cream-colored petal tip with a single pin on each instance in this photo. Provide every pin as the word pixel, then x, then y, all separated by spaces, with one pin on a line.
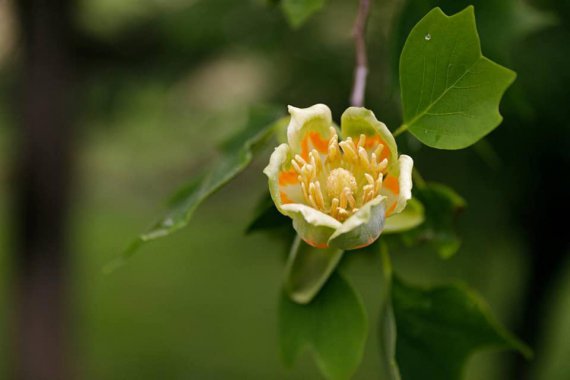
pixel 316 109
pixel 405 182
pixel 317 117
pixel 278 157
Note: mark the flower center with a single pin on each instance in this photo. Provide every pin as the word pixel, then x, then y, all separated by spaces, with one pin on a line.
pixel 338 180
pixel 352 176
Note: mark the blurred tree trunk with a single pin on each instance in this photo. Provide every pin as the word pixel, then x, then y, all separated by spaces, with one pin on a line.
pixel 42 190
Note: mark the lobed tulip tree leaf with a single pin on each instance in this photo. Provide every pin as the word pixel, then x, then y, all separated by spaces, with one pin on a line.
pixel 439 328
pixel 442 205
pixel 333 326
pixel 518 20
pixel 308 269
pixel 450 91
pixel 299 11
pixel 237 154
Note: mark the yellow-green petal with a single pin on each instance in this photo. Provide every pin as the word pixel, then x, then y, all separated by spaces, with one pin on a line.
pixel 405 181
pixel 412 216
pixel 279 157
pixel 397 185
pixel 362 228
pixel 309 128
pixel 356 121
pixel 313 226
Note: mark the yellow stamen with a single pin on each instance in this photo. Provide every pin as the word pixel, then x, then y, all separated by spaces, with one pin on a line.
pixel 342 213
pixel 312 201
pixel 378 150
pixel 363 157
pixel 334 207
pixel 319 195
pixel 305 193
pixel 352 176
pixel 361 141
pixel 350 198
pixel 348 150
pixel 378 185
pixel 316 158
pixel 308 169
pixel 296 166
pixel 343 200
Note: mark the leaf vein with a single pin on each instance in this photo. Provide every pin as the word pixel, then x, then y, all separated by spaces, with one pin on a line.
pixel 419 115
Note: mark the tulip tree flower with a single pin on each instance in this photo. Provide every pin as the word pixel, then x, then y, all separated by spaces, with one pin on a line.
pixel 338 193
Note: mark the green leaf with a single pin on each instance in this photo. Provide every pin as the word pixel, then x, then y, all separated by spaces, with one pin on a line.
pixel 333 326
pixel 299 11
pixel 518 20
pixel 237 153
pixel 442 205
pixel 412 216
pixel 439 328
pixel 308 269
pixel 450 91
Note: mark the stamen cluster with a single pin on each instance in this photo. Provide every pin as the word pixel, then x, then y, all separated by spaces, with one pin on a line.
pixel 341 181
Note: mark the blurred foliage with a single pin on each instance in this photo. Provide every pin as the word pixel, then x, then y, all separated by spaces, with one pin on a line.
pixel 337 308
pixel 442 206
pixel 237 155
pixel 412 216
pixel 298 11
pixel 164 81
pixel 439 328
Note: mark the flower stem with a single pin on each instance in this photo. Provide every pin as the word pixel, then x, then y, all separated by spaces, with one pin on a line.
pixel 403 128
pixel 361 68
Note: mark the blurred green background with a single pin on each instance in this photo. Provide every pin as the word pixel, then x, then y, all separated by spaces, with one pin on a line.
pixel 162 82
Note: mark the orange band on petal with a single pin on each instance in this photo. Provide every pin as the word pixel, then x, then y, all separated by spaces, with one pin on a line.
pixel 391 183
pixel 305 147
pixel 289 177
pixel 318 143
pixel 285 199
pixel 316 245
pixel 373 141
pixel 370 241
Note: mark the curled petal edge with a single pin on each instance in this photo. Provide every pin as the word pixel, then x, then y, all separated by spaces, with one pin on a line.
pixel 323 231
pixel 317 118
pixel 314 227
pixel 279 156
pixel 358 120
pixel 362 228
pixel 406 165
